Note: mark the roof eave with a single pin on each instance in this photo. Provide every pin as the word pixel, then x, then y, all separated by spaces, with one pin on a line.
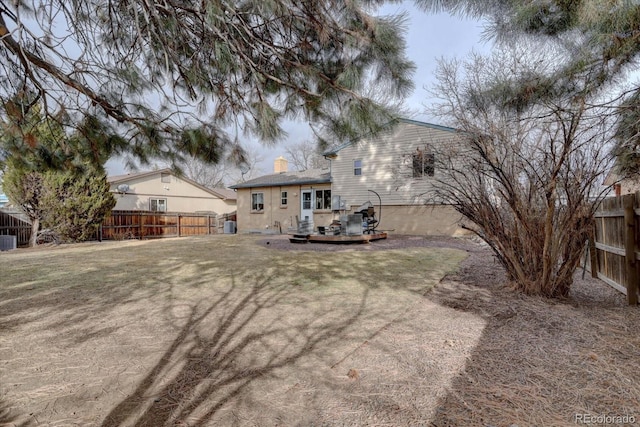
pixel 280 184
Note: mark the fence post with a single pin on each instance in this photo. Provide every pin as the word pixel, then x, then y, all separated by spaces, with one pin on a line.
pixel 593 255
pixel 178 222
pixel 630 248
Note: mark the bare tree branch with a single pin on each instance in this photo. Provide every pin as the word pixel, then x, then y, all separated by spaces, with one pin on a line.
pixel 525 175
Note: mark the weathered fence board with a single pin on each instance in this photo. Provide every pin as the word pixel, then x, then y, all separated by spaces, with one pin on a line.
pixel 122 225
pixel 615 252
pixel 11 224
pixel 148 225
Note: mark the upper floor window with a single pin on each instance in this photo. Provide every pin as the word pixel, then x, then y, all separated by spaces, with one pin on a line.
pixel 257 202
pixel 423 162
pixel 283 198
pixel 357 167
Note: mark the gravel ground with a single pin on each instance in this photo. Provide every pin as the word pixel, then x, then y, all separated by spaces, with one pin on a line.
pixel 281 242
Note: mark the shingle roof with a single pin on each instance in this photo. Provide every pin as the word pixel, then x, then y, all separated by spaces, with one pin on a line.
pixel 114 179
pixel 16 213
pixel 310 176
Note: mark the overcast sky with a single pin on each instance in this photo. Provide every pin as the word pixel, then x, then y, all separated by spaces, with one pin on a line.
pixel 429 37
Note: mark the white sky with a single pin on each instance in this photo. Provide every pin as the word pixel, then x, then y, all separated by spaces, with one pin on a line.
pixel 428 36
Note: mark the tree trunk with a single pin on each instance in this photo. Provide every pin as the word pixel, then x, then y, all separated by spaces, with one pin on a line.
pixel 35 227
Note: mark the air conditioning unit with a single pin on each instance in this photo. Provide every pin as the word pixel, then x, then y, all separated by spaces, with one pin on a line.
pixel 8 243
pixel 229 227
pixel 338 203
pixel 354 224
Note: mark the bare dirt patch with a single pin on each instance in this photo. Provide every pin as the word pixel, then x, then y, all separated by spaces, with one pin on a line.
pixel 254 330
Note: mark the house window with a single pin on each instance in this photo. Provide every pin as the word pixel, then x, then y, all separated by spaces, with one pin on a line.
pixel 357 167
pixel 306 200
pixel 158 205
pixel 323 199
pixel 423 163
pixel 257 202
pixel 283 198
pixel 165 178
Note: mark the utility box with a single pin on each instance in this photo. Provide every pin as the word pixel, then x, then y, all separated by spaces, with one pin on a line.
pixel 229 227
pixel 8 243
pixel 354 224
pixel 338 203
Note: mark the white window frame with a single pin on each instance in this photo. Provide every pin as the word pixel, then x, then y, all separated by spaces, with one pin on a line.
pixel 423 163
pixel 257 201
pixel 158 202
pixel 284 199
pixel 357 167
pixel 323 200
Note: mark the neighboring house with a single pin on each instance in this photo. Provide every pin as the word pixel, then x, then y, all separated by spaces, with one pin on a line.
pixel 621 186
pixel 163 191
pixel 4 200
pixel 398 164
pixel 277 201
pixel 14 222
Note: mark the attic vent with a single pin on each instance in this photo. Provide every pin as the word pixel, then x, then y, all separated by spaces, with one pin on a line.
pixel 8 243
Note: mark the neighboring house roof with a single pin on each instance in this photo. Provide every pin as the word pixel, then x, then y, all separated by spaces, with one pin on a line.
pixel 16 213
pixel 611 177
pixel 223 193
pixel 335 150
pixel 310 176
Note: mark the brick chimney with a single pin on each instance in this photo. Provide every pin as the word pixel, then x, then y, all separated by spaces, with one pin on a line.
pixel 280 165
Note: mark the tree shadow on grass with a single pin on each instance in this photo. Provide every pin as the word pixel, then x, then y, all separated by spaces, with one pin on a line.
pixel 81 293
pixel 221 348
pixel 203 341
pixel 9 418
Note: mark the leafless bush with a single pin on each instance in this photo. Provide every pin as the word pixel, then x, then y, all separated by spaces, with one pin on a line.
pixel 528 165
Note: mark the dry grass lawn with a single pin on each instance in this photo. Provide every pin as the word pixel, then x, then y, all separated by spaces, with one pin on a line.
pixel 224 331
pixel 255 331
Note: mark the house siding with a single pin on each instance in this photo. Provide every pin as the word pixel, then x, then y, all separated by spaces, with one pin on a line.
pixel 273 213
pixel 421 220
pixel 387 167
pixel 181 196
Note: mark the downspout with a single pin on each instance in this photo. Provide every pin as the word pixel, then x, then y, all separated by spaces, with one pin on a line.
pixel 379 210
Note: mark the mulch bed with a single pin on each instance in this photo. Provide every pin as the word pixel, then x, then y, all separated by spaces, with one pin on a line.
pixel 540 361
pixel 282 242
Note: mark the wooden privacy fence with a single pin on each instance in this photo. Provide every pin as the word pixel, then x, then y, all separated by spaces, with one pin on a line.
pixel 615 251
pixel 145 225
pixel 12 224
pixel 132 225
